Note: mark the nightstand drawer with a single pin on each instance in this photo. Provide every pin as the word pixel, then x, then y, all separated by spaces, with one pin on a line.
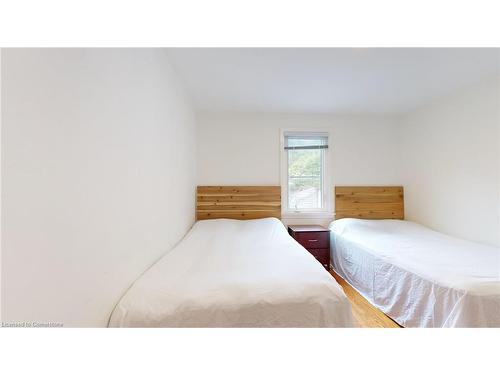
pixel 322 255
pixel 313 240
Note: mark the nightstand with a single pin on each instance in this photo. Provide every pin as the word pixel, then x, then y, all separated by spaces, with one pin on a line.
pixel 316 240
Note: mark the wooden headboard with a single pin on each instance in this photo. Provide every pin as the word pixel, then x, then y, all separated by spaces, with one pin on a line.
pixel 238 202
pixel 369 202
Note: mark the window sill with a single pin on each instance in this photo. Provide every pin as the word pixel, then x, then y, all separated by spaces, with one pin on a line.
pixel 308 215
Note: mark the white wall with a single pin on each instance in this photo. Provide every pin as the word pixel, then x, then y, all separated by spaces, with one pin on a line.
pixel 98 178
pixel 498 149
pixel 1 320
pixel 244 148
pixel 446 154
pixel 450 163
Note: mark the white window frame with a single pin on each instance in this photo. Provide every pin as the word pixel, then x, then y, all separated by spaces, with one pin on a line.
pixel 327 211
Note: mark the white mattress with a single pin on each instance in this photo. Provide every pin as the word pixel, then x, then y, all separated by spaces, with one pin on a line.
pixel 419 277
pixel 231 273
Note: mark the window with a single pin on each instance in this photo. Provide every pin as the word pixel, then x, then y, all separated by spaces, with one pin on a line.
pixel 305 158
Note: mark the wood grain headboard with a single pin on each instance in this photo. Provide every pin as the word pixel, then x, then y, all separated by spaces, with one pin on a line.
pixel 369 202
pixel 238 202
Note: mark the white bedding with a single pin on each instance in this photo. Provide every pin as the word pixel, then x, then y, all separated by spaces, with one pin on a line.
pixel 231 273
pixel 419 277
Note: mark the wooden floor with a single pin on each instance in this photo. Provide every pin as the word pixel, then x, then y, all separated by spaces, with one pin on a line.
pixel 366 315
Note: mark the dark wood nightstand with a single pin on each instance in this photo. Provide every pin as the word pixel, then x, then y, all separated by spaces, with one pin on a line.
pixel 316 240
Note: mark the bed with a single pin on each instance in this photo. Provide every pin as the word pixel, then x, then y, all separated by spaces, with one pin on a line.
pixel 235 273
pixel 418 277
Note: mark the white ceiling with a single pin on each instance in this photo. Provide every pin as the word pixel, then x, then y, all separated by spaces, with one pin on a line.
pixel 327 80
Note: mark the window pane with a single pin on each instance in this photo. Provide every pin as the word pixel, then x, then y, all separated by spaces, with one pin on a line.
pixel 305 179
pixel 301 141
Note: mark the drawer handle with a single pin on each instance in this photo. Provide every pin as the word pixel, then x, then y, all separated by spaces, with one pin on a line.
pixel 313 240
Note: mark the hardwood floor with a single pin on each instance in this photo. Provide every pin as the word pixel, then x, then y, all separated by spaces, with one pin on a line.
pixel 366 315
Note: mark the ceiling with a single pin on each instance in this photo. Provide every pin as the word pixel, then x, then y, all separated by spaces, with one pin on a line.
pixel 327 80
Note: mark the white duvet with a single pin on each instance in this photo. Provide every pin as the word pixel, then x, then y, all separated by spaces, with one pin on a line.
pixel 419 277
pixel 232 273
